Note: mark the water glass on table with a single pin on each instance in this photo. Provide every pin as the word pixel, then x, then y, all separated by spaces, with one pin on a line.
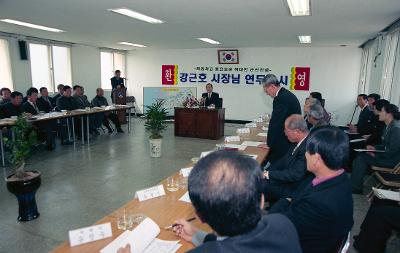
pixel 172 184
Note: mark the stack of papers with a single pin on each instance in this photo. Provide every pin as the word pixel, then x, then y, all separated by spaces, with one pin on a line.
pixel 143 240
pixel 386 194
pixel 234 138
pixel 262 134
pixel 252 143
pixel 235 146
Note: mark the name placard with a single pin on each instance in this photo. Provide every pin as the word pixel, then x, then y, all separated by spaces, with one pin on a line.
pixel 89 234
pixel 185 171
pixel 150 193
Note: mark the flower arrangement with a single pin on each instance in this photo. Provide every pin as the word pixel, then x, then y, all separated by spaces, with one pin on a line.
pixel 191 101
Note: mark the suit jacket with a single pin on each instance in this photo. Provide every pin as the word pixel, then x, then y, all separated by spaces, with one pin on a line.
pixel 273 234
pixel 99 101
pixel 45 105
pixel 115 82
pixel 213 100
pixel 82 102
pixel 27 107
pixel 7 110
pixel 322 214
pixel 55 98
pixel 66 103
pixel 391 145
pixel 284 105
pixel 290 170
pixel 365 121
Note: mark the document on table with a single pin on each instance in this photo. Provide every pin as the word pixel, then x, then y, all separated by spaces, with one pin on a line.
pixel 348 132
pixel 262 134
pixel 142 240
pixel 386 194
pixel 357 140
pixel 205 153
pixel 239 147
pixel 367 150
pixel 185 198
pixel 252 143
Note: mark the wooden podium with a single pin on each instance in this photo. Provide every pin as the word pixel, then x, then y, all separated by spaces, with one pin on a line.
pixel 119 98
pixel 200 122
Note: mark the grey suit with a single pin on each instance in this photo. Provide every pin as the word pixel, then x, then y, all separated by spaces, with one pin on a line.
pixel 390 144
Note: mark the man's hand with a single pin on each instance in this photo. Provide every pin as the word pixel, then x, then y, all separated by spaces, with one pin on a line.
pixel 184 229
pixel 126 249
pixel 352 129
pixel 266 174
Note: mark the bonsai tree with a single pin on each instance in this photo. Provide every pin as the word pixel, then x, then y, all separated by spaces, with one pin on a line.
pixel 155 116
pixel 20 146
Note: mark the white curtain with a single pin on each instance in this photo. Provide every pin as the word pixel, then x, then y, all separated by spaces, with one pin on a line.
pixel 395 84
pixel 6 80
pixel 365 72
pixel 388 69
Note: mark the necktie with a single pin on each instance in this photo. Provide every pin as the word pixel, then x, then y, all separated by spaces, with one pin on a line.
pixel 209 95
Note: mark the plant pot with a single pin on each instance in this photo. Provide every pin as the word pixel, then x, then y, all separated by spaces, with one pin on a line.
pixel 155 147
pixel 25 190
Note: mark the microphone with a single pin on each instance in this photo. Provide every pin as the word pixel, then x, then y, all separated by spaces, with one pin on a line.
pixel 353 113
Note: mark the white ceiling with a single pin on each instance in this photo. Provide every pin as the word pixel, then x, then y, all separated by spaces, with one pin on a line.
pixel 235 23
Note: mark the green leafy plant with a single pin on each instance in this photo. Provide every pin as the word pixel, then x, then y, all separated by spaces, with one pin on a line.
pixel 20 145
pixel 155 116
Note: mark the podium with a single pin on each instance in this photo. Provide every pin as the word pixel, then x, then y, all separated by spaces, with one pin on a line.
pixel 119 98
pixel 200 122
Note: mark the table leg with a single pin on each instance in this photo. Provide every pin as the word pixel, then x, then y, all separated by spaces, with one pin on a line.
pixel 87 129
pixel 2 150
pixel 69 137
pixel 82 131
pixel 129 120
pixel 73 129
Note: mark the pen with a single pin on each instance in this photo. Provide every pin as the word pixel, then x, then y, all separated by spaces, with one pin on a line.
pixel 173 225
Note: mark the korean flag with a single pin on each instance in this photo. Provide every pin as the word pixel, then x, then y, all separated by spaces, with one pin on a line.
pixel 228 56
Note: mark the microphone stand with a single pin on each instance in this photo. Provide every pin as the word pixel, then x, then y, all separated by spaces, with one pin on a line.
pixel 353 114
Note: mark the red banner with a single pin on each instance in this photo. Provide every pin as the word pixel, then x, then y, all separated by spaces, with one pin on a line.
pixel 169 74
pixel 300 78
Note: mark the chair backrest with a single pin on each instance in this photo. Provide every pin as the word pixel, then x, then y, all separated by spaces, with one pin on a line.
pixel 345 244
pixel 396 169
pixel 219 103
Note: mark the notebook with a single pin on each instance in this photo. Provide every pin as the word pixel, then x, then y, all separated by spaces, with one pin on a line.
pixel 143 240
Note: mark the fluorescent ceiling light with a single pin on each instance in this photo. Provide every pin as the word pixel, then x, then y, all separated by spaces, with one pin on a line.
pixel 305 39
pixel 209 41
pixel 299 7
pixel 136 15
pixel 131 44
pixel 16 22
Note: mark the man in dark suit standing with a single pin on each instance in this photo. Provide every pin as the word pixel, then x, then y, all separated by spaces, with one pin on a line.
pixel 284 177
pixel 322 209
pixel 45 103
pixel 285 104
pixel 116 82
pixel 242 229
pixel 210 97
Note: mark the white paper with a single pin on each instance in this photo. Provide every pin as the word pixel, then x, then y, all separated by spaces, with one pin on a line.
pixel 139 239
pixel 367 150
pixel 262 134
pixel 252 156
pixel 89 234
pixel 185 198
pixel 185 171
pixel 162 246
pixel 252 125
pixel 234 138
pixel 348 132
pixel 386 194
pixel 243 130
pixel 205 153
pixel 252 143
pixel 152 192
pixel 265 128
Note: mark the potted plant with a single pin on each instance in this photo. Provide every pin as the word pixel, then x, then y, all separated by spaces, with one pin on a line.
pixel 155 116
pixel 23 184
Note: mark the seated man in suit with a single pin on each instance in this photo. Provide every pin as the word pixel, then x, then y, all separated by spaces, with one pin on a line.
pixel 364 124
pixel 5 96
pixel 382 218
pixel 60 89
pixel 82 102
pixel 377 126
pixel 389 113
pixel 372 98
pixel 210 97
pixel 283 177
pixel 98 101
pixel 316 116
pixel 14 107
pixel 68 103
pixel 317 96
pixel 49 127
pixel 45 103
pixel 322 209
pixel 242 229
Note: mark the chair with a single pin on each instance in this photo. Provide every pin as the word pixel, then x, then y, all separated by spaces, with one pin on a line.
pixel 386 177
pixel 388 170
pixel 131 100
pixel 344 244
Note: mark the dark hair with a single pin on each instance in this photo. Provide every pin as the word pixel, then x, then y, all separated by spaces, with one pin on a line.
pixel 392 109
pixel 332 144
pixel 76 87
pixel 66 87
pixel 31 90
pixel 316 95
pixel 380 103
pixel 374 96
pixel 117 71
pixel 365 97
pixel 60 86
pixel 225 188
pixel 209 84
pixel 43 88
pixel 4 89
pixel 15 94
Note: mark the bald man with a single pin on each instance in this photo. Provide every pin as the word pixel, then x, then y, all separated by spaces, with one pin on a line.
pixel 98 101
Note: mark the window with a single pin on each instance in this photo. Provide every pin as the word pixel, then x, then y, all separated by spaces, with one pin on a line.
pixel 5 66
pixel 50 66
pixel 109 63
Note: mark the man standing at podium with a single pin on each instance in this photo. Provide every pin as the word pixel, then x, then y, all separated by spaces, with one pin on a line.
pixel 116 82
pixel 210 97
